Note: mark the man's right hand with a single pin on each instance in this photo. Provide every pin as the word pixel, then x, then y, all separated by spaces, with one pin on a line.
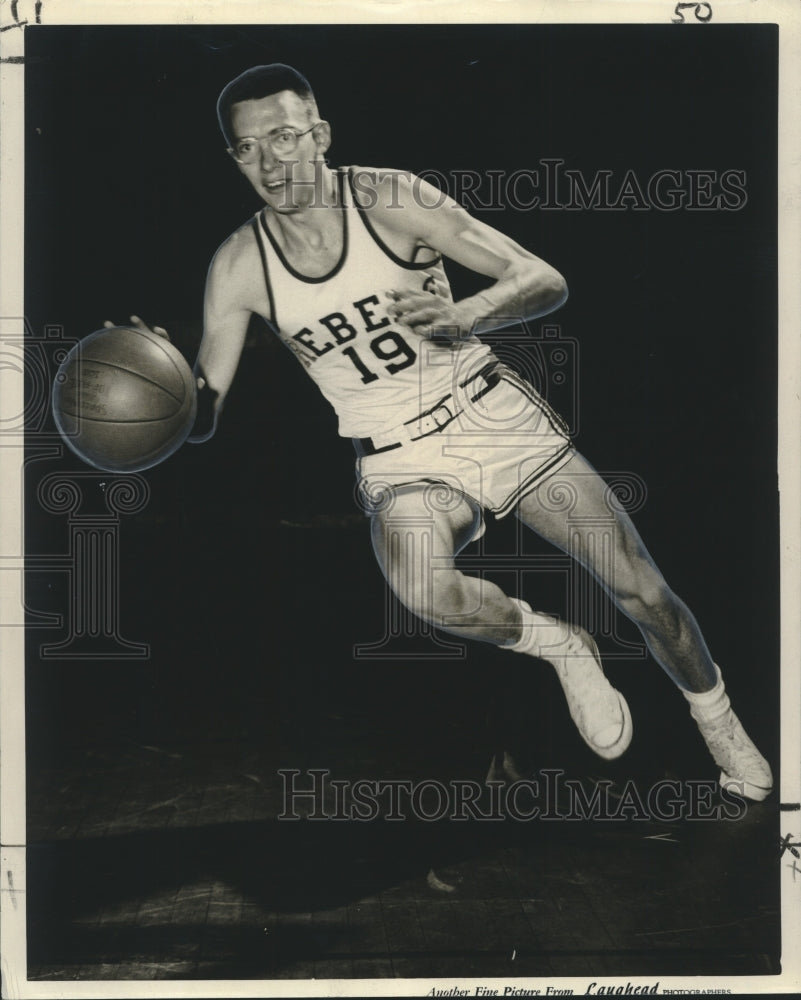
pixel 139 324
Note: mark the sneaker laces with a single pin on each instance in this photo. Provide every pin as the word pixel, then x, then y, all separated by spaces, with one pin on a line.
pixel 599 712
pixel 731 747
pixel 592 700
pixel 577 656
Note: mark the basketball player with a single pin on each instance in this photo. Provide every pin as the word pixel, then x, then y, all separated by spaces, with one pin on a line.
pixel 346 266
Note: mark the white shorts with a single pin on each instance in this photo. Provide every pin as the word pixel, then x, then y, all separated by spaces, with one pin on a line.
pixel 494 442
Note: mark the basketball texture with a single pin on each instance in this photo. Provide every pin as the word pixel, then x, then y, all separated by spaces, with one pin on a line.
pixel 124 400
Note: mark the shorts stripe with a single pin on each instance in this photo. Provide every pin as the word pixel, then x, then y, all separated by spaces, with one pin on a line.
pixel 558 425
pixel 534 480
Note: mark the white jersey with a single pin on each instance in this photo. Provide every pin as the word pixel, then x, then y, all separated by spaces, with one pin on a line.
pixel 376 372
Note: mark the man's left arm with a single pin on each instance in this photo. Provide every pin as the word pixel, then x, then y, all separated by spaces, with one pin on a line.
pixel 524 287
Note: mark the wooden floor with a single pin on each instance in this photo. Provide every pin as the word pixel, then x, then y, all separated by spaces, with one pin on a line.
pixel 162 862
pixel 155 848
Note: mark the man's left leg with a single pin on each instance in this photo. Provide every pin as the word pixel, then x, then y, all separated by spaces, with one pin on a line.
pixel 638 589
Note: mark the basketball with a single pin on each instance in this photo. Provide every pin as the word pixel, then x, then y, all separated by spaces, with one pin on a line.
pixel 124 400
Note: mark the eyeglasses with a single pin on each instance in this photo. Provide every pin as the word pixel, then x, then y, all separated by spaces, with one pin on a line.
pixel 282 142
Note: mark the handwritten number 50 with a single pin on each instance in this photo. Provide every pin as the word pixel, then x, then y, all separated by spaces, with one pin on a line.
pixel 703 12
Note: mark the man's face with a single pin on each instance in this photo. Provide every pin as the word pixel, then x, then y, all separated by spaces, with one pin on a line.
pixel 287 184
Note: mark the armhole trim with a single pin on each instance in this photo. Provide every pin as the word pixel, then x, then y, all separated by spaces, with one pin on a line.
pixel 411 265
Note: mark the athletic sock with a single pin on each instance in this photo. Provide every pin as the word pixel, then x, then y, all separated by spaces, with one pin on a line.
pixel 706 706
pixel 742 767
pixel 536 628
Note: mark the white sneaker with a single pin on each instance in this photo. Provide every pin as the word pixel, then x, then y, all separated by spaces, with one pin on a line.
pixel 743 768
pixel 600 713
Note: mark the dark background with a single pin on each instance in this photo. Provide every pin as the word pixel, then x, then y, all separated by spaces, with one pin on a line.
pixel 249 573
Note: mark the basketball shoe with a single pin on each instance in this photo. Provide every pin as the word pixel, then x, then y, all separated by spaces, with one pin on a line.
pixel 743 769
pixel 599 712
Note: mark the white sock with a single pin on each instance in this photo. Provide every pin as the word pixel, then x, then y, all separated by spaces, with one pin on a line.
pixel 707 706
pixel 536 630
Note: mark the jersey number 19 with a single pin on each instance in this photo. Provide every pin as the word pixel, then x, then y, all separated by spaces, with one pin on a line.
pixel 386 347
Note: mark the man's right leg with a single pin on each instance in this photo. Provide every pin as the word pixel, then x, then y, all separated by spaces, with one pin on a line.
pixel 416 536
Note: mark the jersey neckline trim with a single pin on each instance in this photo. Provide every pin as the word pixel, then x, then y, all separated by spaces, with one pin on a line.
pixel 409 264
pixel 342 257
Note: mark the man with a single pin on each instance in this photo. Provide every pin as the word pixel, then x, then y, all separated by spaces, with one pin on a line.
pixel 346 266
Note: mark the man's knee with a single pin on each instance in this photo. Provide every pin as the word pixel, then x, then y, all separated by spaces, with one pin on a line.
pixel 648 600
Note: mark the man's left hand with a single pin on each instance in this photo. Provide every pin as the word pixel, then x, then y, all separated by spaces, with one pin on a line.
pixel 428 313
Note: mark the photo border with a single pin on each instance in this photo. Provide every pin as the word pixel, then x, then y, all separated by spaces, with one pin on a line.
pixel 15 21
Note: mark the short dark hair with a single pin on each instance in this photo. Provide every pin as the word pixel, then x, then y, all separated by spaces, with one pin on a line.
pixel 258 82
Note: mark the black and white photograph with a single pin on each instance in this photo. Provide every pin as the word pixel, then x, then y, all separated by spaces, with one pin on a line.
pixel 400 500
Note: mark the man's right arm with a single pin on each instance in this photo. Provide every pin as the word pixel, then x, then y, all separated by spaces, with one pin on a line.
pixel 226 316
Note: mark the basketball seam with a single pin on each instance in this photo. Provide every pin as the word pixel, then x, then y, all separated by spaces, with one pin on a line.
pixel 100 420
pixel 110 364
